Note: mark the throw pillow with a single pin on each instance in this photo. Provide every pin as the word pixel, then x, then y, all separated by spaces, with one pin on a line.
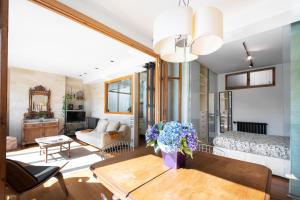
pixel 101 126
pixel 113 126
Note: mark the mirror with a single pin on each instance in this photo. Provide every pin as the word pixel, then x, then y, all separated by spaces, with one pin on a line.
pixel 225 106
pixel 39 103
pixel 118 96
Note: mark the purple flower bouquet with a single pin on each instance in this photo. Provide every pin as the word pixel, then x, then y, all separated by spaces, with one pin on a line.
pixel 175 140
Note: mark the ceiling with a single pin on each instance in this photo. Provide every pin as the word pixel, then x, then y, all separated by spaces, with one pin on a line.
pixel 242 18
pixel 267 48
pixel 42 40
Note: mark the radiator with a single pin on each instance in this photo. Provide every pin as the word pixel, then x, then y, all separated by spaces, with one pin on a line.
pixel 252 127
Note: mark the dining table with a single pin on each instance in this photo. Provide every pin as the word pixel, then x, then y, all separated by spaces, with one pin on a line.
pixel 141 175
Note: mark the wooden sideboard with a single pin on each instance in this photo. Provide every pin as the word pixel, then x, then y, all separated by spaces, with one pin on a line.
pixel 33 129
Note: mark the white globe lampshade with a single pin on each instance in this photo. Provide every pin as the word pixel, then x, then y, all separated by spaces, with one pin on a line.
pixel 208 30
pixel 170 24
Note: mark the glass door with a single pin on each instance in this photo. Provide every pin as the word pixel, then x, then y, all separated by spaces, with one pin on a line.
pixel 225 106
pixel 211 117
pixel 171 91
pixel 146 100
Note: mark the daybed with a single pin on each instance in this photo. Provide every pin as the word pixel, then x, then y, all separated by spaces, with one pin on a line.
pixel 269 150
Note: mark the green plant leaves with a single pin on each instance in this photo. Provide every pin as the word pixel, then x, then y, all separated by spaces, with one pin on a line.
pixel 160 126
pixel 184 148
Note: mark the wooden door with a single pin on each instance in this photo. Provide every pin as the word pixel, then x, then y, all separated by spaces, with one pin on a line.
pixel 3 92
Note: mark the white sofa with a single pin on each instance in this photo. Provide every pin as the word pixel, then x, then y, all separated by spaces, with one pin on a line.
pixel 106 132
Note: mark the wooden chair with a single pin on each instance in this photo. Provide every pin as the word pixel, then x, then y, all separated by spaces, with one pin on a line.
pixel 22 177
pixel 210 149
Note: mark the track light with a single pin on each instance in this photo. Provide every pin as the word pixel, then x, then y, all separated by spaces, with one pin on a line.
pixel 249 57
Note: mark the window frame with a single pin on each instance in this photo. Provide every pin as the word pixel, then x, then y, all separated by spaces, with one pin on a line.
pixel 248 79
pixel 106 83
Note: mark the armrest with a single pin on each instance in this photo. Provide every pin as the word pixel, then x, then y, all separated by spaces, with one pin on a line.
pixel 111 132
pixel 110 137
pixel 86 130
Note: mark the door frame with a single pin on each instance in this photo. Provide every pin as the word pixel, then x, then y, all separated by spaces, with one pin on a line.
pixel 3 92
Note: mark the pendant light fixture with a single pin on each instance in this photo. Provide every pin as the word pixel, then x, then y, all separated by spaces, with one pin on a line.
pixel 208 30
pixel 180 36
pixel 172 34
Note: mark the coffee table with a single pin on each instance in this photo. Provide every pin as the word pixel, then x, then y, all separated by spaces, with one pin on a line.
pixel 54 141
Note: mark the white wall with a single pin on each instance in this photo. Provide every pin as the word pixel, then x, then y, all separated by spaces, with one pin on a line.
pixel 266 104
pixel 20 81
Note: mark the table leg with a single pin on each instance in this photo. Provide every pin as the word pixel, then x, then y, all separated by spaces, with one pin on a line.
pixel 46 154
pixel 60 148
pixel 69 146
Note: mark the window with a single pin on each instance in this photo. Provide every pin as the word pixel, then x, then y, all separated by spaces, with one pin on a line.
pixel 262 77
pixel 236 81
pixel 118 96
pixel 251 79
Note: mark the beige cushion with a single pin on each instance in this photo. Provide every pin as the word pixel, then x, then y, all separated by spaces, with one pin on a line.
pixel 101 126
pixel 113 126
pixel 123 128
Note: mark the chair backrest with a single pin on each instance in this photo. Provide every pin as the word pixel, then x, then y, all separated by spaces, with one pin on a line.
pixel 116 149
pixel 210 149
pixel 18 178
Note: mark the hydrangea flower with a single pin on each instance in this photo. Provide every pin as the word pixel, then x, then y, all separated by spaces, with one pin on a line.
pixel 172 137
pixel 191 136
pixel 152 134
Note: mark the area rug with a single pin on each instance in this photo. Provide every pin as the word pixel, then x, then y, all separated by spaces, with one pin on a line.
pixel 82 156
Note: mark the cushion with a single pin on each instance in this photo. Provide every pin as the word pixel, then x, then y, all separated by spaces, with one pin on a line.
pixel 41 172
pixel 101 126
pixel 113 126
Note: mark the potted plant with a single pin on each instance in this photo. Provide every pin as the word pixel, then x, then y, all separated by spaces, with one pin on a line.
pixel 174 140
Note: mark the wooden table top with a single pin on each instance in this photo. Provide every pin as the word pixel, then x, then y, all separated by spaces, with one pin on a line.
pixel 138 172
pixel 204 177
pixel 53 140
